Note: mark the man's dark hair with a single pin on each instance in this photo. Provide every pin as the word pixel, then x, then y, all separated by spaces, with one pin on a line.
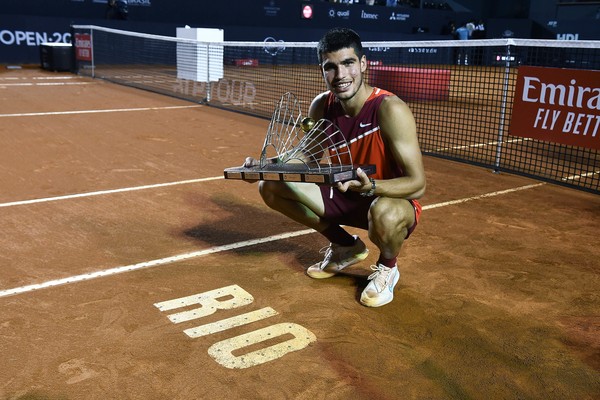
pixel 337 39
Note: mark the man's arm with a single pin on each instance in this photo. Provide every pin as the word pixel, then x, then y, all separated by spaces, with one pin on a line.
pixel 317 106
pixel 399 132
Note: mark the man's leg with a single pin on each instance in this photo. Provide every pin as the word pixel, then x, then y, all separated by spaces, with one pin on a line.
pixel 299 201
pixel 303 202
pixel 389 222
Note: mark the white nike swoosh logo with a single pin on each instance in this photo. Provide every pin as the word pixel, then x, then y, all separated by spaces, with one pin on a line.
pixel 363 125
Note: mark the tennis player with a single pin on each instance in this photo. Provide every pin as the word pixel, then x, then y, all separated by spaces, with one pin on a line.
pixel 380 130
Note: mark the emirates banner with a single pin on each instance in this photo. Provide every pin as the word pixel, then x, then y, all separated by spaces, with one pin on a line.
pixel 83 46
pixel 557 105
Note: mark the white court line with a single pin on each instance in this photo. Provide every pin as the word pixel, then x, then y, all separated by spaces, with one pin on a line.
pixel 216 249
pixel 102 192
pixel 46 84
pixel 575 177
pixel 495 143
pixel 482 196
pixel 50 78
pixel 97 111
pixel 41 78
pixel 151 263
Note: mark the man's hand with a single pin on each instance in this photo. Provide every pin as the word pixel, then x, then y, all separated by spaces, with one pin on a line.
pixel 250 162
pixel 362 184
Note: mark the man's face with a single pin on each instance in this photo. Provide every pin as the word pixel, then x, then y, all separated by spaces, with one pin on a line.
pixel 343 72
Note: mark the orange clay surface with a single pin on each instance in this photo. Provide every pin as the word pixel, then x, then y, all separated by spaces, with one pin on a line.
pixel 499 296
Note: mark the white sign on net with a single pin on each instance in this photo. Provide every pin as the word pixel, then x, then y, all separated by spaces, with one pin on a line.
pixel 200 61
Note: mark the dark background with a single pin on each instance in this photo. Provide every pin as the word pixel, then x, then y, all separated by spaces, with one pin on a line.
pixel 24 24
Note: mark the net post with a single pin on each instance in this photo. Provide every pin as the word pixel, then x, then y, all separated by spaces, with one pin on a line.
pixel 208 86
pixel 502 110
pixel 92 53
pixel 74 68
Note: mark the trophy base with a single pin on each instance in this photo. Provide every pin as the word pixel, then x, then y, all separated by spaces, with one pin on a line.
pixel 327 175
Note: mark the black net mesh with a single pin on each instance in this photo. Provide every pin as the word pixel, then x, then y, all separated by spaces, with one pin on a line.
pixel 461 93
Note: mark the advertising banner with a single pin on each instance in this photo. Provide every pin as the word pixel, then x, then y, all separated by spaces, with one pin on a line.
pixel 83 47
pixel 558 105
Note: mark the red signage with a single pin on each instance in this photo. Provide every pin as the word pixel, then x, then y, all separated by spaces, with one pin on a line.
pixel 245 62
pixel 83 47
pixel 307 11
pixel 557 105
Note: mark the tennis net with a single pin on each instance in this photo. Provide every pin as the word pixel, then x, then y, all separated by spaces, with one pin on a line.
pixel 497 103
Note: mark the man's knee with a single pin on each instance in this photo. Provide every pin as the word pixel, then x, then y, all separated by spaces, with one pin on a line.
pixel 391 215
pixel 271 191
pixel 268 190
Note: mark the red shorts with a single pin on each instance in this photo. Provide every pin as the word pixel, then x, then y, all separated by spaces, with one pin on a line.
pixel 352 209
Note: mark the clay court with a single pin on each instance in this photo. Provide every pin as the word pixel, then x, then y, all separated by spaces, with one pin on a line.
pixel 113 204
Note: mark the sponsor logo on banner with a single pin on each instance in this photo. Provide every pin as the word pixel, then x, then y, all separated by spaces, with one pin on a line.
pixel 277 46
pixel 31 38
pixel 367 15
pixel 558 105
pixel 83 47
pixel 399 17
pixel 424 50
pixel 379 49
pixel 271 10
pixel 143 3
pixel 344 14
pixel 567 36
pixel 307 11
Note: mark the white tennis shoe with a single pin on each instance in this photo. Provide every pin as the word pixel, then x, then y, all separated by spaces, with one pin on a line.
pixel 380 290
pixel 337 258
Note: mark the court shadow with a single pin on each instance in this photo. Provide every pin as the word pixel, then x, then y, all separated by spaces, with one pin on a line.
pixel 244 222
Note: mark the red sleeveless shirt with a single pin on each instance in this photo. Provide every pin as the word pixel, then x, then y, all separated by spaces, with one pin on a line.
pixel 363 134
